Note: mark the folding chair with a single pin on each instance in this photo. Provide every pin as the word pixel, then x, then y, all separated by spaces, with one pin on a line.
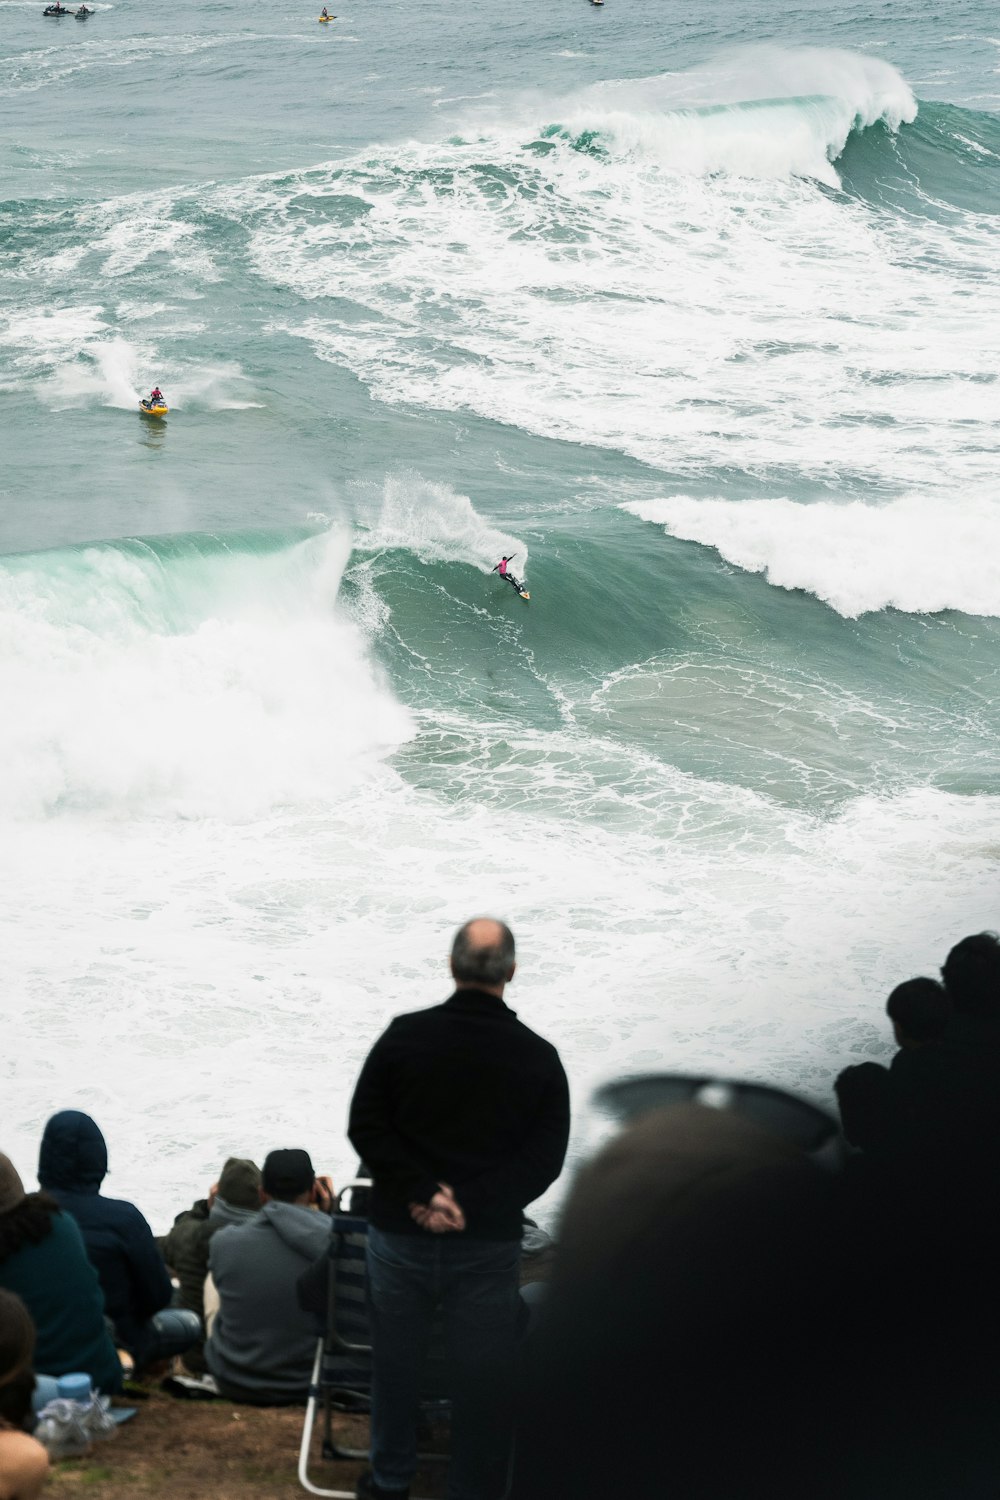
pixel 341 1376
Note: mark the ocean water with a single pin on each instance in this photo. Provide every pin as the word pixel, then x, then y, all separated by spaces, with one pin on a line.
pixel 698 314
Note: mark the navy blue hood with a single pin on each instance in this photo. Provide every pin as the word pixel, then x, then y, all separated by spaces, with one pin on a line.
pixel 73 1156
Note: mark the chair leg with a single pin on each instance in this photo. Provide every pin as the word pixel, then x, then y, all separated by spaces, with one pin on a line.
pixel 307 1432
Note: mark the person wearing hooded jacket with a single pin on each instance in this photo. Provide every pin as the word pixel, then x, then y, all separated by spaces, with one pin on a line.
pixel 72 1164
pixel 43 1261
pixel 234 1199
pixel 261 1345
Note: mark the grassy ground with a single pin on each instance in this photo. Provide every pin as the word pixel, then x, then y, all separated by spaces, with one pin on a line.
pixel 208 1451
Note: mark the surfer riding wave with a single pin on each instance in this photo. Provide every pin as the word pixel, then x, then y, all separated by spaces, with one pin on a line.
pixel 502 569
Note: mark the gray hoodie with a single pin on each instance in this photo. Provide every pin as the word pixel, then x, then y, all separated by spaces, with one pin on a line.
pixel 262 1344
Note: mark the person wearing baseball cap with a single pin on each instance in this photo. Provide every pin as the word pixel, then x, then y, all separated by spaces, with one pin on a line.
pixel 261 1344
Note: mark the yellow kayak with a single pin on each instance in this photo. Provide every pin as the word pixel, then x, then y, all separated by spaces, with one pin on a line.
pixel 152 411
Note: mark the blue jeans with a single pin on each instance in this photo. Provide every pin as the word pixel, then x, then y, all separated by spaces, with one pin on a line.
pixel 474 1282
pixel 168 1332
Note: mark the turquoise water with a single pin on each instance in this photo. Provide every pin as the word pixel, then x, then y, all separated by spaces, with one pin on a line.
pixel 697 316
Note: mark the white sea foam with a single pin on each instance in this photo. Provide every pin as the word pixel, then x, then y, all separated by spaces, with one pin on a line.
pixel 434 522
pixel 606 285
pixel 187 688
pixel 920 553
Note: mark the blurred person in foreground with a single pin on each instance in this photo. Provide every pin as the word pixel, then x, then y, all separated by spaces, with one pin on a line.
pixel 462 1115
pixel 234 1199
pixel 24 1463
pixel 261 1344
pixel 721 1326
pixel 72 1165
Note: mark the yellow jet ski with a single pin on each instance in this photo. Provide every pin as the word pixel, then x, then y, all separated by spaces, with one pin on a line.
pixel 323 19
pixel 149 409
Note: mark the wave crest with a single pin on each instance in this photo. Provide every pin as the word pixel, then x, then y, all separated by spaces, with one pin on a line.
pixel 916 554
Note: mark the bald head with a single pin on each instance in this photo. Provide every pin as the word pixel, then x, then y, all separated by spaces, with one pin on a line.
pixel 482 955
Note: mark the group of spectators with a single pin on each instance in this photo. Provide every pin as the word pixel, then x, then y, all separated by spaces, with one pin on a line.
pixel 461 1115
pixel 726 1318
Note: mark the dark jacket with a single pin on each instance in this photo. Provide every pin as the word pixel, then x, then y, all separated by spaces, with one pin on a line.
pixel 72 1164
pixel 59 1287
pixel 262 1344
pixel 185 1250
pixel 464 1094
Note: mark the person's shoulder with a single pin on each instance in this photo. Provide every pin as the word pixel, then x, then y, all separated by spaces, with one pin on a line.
pixel 24 1463
pixel 537 1043
pixel 125 1215
pixel 227 1238
pixel 414 1020
pixel 194 1217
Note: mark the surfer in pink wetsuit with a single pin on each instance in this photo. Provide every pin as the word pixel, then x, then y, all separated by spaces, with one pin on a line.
pixel 501 568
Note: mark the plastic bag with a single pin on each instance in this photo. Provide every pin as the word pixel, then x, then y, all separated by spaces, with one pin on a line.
pixel 67 1428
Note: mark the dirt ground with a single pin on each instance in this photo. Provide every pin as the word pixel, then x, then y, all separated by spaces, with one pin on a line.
pixel 212 1450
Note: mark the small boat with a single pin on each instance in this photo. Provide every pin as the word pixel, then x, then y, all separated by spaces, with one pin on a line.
pixel 147 409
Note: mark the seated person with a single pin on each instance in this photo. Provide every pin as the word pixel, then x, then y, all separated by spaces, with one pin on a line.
pixel 919 1011
pixel 234 1199
pixel 43 1260
pixel 72 1164
pixel 24 1463
pixel 261 1344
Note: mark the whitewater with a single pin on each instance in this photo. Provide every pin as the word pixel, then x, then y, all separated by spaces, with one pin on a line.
pixel 699 322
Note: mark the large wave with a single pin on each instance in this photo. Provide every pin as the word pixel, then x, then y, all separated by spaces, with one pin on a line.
pixel 762 112
pixel 192 677
pixel 917 553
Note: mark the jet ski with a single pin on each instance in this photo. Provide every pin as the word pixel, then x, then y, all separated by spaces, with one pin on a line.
pixel 57 10
pixel 83 13
pixel 150 409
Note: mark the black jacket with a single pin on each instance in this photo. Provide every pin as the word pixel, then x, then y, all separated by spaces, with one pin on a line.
pixel 463 1093
pixel 73 1163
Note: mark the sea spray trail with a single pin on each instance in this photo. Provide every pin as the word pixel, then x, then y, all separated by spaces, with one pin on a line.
pixel 434 522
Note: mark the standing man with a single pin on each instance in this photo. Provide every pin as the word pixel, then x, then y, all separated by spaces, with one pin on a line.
pixel 462 1115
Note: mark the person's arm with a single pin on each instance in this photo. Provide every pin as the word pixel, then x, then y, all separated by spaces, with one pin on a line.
pixel 151 1285
pixel 536 1163
pixel 373 1134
